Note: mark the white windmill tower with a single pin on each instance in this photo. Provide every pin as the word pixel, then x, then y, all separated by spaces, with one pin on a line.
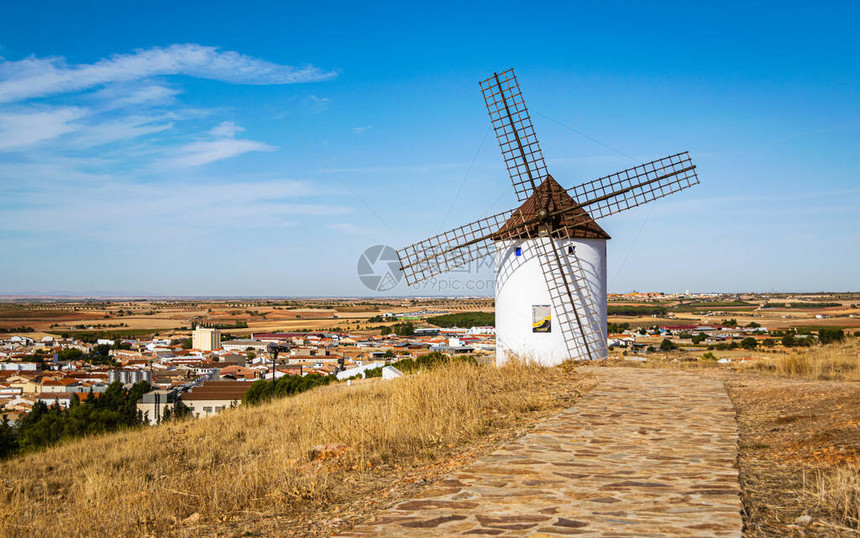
pixel 550 254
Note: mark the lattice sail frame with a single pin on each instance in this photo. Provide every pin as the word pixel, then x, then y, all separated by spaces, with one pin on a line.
pixel 573 307
pixel 603 197
pixel 514 132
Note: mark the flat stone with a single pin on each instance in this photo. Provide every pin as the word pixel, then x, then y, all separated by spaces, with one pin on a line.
pixel 647 453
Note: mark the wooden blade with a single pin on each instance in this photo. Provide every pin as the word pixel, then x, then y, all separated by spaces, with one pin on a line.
pixel 609 195
pixel 636 186
pixel 450 250
pixel 514 132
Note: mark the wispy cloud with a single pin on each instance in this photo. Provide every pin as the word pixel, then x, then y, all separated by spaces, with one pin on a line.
pixel 118 210
pixel 99 134
pixel 136 94
pixel 317 104
pixel 227 129
pixel 208 151
pixel 361 130
pixel 224 146
pixel 25 127
pixel 40 77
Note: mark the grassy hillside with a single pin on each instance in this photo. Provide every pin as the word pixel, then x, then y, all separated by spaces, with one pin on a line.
pixel 255 470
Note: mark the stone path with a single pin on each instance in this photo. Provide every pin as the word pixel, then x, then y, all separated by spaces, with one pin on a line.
pixel 646 453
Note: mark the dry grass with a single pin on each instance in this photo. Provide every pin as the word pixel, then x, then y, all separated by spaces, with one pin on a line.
pixel 837 491
pixel 836 361
pixel 251 464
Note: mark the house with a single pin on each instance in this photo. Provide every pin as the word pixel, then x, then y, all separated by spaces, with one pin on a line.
pixel 214 396
pixel 238 372
pixel 243 345
pixel 156 405
pixel 59 385
pixel 63 399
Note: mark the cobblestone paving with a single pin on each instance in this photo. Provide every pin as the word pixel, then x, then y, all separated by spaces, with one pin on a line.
pixel 646 453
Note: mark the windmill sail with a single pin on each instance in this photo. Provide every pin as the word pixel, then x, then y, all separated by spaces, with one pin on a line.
pixel 603 197
pixel 573 307
pixel 514 132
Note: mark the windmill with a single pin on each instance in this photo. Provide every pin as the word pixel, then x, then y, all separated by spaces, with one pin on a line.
pixel 550 253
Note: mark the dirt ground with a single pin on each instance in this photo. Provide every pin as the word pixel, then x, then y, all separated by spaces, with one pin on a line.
pixel 791 430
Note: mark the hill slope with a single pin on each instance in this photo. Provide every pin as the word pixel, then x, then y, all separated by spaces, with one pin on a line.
pixel 254 469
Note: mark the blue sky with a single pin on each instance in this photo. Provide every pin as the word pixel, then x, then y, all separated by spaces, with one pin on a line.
pixel 234 148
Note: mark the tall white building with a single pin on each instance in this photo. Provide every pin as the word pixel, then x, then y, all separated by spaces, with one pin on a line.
pixel 206 339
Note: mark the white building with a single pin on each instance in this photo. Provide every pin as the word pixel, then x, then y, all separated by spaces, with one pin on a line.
pixel 206 339
pixel 157 405
pixel 481 330
pixel 358 370
pixel 528 324
pixel 243 345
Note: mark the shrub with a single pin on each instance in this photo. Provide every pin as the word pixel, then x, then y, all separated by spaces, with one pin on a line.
pixel 749 343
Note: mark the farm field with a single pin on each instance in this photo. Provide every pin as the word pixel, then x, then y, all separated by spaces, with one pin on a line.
pixel 237 317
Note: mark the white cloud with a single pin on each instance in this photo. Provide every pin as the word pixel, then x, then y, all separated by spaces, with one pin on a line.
pixel 361 130
pixel 227 129
pixel 118 210
pixel 40 77
pixel 207 151
pixel 22 128
pixel 317 104
pixel 107 132
pixel 136 94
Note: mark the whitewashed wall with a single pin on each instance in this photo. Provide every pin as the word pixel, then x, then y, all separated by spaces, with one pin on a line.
pixel 520 284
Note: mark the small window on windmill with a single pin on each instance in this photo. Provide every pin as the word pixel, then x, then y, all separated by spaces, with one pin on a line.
pixel 541 318
pixel 519 251
pixel 571 250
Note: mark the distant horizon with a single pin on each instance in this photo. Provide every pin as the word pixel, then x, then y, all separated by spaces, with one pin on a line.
pixel 70 295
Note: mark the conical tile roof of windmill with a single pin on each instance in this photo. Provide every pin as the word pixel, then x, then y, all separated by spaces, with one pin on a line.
pixel 568 224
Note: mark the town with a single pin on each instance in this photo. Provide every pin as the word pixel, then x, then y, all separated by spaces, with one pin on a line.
pixel 202 371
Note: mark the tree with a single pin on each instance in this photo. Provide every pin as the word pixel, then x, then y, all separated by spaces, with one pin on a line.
pixel 830 335
pixel 404 329
pixel 729 322
pixel 187 343
pixel 70 354
pixel 749 343
pixel 667 345
pixel 384 330
pixel 251 355
pixel 8 438
pixel 789 340
pixel 699 338
pixel 753 325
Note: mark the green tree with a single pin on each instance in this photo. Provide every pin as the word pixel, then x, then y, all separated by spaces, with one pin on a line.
pixel 749 343
pixel 667 345
pixel 8 438
pixel 70 354
pixel 830 335
pixel 699 338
